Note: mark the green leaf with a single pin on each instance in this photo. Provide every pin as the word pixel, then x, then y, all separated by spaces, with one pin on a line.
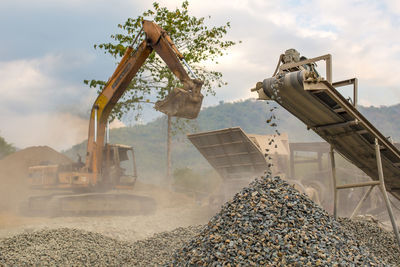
pixel 194 37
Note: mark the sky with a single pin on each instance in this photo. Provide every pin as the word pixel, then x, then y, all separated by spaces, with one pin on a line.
pixel 46 51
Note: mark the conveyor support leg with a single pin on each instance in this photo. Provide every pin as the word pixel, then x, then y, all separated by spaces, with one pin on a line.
pixel 384 192
pixel 335 190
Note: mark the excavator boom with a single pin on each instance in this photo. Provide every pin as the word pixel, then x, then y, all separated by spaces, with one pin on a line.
pixel 181 102
pixel 106 166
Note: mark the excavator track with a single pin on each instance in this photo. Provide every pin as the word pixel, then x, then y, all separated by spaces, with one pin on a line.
pixel 89 204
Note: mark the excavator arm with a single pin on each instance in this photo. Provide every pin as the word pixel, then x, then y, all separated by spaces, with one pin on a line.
pixel 181 102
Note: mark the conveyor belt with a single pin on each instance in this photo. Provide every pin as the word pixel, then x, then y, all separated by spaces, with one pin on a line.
pixel 323 109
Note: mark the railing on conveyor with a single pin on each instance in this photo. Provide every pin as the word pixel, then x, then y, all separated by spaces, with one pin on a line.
pixel 298 88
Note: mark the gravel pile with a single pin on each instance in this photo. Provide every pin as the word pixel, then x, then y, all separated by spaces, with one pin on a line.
pixel 66 247
pixel 268 223
pixel 159 249
pixel 271 223
pixel 63 246
pixel 379 242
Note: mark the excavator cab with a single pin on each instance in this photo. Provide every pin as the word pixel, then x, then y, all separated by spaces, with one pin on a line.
pixel 119 167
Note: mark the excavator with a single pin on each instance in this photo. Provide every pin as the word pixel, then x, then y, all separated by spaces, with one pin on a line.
pixel 92 186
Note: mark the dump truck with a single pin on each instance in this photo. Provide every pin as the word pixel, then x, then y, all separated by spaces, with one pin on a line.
pixel 87 187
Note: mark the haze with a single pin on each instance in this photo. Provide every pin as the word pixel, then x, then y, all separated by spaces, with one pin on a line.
pixel 47 51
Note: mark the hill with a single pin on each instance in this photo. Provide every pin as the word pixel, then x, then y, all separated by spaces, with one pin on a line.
pixel 149 140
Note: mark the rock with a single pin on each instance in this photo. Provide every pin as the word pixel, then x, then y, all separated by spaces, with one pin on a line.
pixel 380 242
pixel 277 226
pixel 66 247
pixel 268 223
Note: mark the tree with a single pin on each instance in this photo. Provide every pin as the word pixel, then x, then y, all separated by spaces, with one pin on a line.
pixel 195 40
pixel 5 148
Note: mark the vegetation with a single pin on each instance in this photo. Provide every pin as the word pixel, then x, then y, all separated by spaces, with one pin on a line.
pixel 5 148
pixel 149 141
pixel 194 39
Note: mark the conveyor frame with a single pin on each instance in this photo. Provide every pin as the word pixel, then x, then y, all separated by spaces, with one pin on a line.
pixel 323 109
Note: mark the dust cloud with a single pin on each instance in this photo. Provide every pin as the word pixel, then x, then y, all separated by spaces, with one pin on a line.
pixel 172 209
pixel 59 130
pixel 14 173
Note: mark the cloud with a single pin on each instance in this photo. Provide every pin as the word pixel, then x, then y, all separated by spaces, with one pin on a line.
pixel 365 103
pixel 89 6
pixel 363 44
pixel 37 85
pixel 22 83
pixel 116 123
pixel 48 50
pixel 38 107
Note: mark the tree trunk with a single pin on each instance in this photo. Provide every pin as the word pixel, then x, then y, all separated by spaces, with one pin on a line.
pixel 169 179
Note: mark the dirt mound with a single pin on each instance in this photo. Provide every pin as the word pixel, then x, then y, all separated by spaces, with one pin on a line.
pixel 33 156
pixel 14 172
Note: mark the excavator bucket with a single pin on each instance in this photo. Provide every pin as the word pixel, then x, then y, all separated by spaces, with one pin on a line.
pixel 181 102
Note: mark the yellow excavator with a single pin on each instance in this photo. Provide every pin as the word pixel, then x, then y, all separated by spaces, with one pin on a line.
pixel 90 187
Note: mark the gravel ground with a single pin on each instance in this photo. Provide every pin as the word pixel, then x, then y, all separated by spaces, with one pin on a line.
pixel 380 242
pixel 63 246
pixel 158 249
pixel 68 247
pixel 268 223
pixel 271 223
pixel 125 228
